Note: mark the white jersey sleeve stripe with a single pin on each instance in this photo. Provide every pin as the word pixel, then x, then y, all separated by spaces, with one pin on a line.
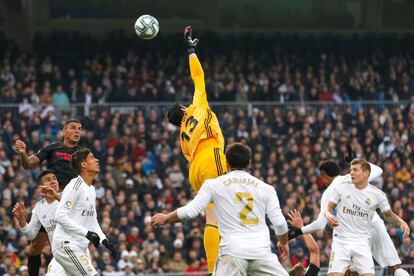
pixel 77 184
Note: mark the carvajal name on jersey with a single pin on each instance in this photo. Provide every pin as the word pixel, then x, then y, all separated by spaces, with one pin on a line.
pixel 240 180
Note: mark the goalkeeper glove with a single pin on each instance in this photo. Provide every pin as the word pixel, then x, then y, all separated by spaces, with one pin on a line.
pixel 191 43
pixel 294 233
pixel 94 238
pixel 111 248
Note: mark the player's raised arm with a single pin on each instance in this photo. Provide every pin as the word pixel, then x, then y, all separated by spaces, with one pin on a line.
pixel 27 162
pixel 196 70
pixel 320 223
pixel 189 211
pixel 29 230
pixel 295 219
pixel 375 172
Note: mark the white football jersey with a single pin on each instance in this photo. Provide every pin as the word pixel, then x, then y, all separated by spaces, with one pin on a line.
pixel 76 215
pixel 241 202
pixel 320 222
pixel 43 214
pixel 355 210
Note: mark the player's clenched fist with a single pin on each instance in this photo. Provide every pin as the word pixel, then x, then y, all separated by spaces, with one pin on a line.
pixel 20 146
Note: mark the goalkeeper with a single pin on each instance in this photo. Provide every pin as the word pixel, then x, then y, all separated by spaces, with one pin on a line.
pixel 202 143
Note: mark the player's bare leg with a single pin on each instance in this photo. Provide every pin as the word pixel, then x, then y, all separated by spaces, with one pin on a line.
pixel 211 238
pixel 349 272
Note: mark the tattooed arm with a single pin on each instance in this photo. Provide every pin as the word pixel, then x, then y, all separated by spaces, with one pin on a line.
pixel 27 161
pixel 396 221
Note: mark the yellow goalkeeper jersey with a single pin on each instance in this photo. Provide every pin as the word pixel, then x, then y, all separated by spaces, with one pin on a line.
pixel 200 128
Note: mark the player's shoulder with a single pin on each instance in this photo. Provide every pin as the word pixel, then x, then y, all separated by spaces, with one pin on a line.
pixel 342 179
pixel 375 190
pixel 41 203
pixel 74 183
pixel 217 180
pixel 50 147
pixel 341 182
pixel 77 147
pixel 55 145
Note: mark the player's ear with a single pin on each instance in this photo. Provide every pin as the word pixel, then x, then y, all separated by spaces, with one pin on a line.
pixel 249 165
pixel 84 164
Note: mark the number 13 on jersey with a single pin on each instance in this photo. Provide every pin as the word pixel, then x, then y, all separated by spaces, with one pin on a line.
pixel 191 122
pixel 248 208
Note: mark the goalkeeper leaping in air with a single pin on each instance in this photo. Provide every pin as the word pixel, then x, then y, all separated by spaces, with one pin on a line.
pixel 202 143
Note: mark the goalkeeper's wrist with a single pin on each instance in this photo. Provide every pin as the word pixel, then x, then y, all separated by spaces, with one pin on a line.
pixel 191 50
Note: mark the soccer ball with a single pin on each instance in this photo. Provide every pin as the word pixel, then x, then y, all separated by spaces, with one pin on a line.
pixel 146 27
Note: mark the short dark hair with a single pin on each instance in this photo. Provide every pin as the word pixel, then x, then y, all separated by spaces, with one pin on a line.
pixel 175 114
pixel 71 121
pixel 297 270
pixel 330 167
pixel 364 164
pixel 78 157
pixel 238 156
pixel 42 174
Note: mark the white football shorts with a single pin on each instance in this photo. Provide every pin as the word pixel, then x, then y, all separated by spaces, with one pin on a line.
pixel 357 255
pixel 232 266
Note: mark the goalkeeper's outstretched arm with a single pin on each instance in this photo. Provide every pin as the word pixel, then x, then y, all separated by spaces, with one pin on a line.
pixel 196 70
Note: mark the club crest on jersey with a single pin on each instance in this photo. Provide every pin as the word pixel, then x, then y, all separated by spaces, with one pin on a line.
pixel 69 204
pixel 368 201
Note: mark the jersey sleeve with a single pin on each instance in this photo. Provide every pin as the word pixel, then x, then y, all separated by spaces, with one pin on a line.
pixel 198 204
pixel 320 223
pixel 30 230
pixel 97 228
pixel 63 211
pixel 317 225
pixel 197 74
pixel 44 153
pixel 336 194
pixel 274 213
pixel 375 172
pixel 383 204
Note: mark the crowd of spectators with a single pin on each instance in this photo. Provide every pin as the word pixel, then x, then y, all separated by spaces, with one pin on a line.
pixel 143 169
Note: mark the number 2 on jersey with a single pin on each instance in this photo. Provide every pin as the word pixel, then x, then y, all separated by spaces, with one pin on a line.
pixel 247 209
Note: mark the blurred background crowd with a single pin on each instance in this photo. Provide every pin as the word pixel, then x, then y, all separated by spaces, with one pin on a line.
pixel 295 100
